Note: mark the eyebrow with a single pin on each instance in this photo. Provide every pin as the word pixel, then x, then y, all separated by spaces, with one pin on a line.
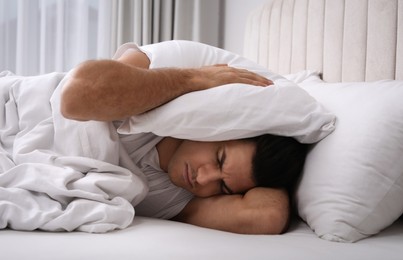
pixel 224 186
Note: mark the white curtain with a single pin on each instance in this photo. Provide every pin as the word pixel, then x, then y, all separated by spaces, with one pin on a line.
pixel 41 36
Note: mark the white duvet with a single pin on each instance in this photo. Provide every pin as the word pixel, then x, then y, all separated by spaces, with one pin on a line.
pixel 58 174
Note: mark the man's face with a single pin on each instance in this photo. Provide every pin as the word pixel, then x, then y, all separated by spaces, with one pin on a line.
pixel 211 168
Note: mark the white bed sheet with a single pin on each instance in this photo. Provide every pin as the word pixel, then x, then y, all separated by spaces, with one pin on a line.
pixel 150 238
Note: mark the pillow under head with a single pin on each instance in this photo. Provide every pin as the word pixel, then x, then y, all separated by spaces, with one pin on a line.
pixel 352 184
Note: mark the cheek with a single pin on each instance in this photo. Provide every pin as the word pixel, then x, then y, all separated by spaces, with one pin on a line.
pixel 181 156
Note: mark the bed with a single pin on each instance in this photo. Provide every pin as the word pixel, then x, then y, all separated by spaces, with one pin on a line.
pixel 328 48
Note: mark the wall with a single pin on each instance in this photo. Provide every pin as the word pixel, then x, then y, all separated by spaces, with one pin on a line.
pixel 235 14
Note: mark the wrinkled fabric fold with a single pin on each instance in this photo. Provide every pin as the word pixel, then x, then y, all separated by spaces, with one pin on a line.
pixel 58 174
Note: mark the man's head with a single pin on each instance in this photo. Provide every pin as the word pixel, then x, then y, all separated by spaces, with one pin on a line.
pixel 211 168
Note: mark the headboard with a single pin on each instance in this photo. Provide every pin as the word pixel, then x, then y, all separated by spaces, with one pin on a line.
pixel 346 40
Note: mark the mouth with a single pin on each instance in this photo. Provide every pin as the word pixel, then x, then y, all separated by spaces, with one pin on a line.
pixel 187 176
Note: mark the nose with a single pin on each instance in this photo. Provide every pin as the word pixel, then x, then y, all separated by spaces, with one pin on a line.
pixel 207 174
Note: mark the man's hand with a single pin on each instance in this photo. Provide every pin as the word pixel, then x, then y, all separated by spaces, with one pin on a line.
pixel 221 74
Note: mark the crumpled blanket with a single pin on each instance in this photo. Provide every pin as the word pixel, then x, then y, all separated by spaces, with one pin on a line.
pixel 58 174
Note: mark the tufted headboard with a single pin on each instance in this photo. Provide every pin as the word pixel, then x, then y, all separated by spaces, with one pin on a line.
pixel 346 40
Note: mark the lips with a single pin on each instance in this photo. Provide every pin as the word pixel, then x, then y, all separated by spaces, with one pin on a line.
pixel 187 176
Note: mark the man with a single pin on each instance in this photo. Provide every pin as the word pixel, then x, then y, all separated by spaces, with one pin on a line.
pixel 221 175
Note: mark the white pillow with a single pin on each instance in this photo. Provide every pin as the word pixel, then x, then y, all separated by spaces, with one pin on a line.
pixel 352 185
pixel 232 111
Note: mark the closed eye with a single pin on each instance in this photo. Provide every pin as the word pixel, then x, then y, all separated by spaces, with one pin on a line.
pixel 225 189
pixel 221 160
pixel 221 156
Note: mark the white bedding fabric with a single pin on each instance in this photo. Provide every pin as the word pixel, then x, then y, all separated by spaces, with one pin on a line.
pixel 159 239
pixel 352 184
pixel 43 157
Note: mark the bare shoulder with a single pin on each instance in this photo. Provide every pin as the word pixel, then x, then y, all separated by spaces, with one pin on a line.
pixel 135 58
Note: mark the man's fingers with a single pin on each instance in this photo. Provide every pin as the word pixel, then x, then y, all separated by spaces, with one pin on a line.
pixel 221 74
pixel 249 77
pixel 253 78
pixel 257 83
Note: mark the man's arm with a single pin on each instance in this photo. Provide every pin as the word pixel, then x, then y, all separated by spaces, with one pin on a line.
pixel 110 90
pixel 259 211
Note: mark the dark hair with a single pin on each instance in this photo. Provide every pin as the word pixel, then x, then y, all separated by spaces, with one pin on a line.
pixel 278 161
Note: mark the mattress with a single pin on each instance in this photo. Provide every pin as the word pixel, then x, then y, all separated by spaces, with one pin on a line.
pixel 150 238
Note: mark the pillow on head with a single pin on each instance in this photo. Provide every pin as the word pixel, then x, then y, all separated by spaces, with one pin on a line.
pixel 352 185
pixel 231 111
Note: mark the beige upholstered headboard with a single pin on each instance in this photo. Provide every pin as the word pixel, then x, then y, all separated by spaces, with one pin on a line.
pixel 346 40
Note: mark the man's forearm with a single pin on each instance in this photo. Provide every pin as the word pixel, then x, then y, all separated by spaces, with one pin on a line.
pixel 110 90
pixel 259 211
